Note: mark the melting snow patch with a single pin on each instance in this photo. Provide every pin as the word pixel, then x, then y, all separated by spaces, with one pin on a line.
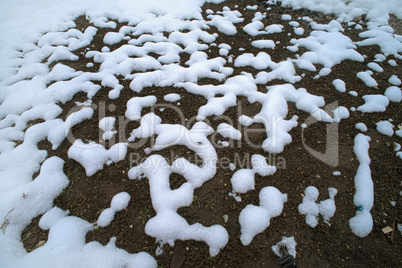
pixel 147 127
pixel 374 103
pixel 223 143
pixel 394 94
pixel 367 79
pixel 327 207
pixel 66 246
pixel 263 44
pixel 118 203
pixel 172 97
pixel 392 63
pixel 287 242
pixel 311 209
pixel 299 31
pixel 274 28
pixel 362 224
pixel 340 113
pixel 327 49
pixel 252 7
pixel 168 226
pixel 243 180
pixel 93 156
pixel 259 62
pixel 339 85
pixel 353 93
pixel 255 219
pixel 225 23
pixel 254 28
pixel 227 131
pixel 136 104
pixel 394 80
pixel 274 110
pixel 385 128
pixel 324 71
pixel 308 207
pixel 375 67
pixel 361 126
pixel 107 125
pixel 245 121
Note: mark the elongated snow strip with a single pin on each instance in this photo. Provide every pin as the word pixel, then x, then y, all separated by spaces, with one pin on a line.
pixel 362 223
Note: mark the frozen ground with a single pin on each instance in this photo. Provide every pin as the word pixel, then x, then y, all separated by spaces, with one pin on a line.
pixel 199 133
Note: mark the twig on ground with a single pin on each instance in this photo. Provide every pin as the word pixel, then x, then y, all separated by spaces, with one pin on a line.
pixel 5 221
pixel 80 206
pixel 393 231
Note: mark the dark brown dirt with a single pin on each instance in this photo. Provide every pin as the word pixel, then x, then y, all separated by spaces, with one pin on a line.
pixel 325 246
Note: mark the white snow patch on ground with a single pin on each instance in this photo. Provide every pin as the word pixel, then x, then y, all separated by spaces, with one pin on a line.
pixel 254 28
pixel 308 207
pixel 243 179
pixel 385 128
pixel 394 80
pixel 311 209
pixel 374 103
pixel 107 125
pixel 172 97
pixel 361 126
pixel 287 242
pixel 327 207
pixel 136 104
pixel 227 131
pixel 339 85
pixel 392 63
pixel 262 44
pixel 375 67
pixel 362 224
pixel 92 156
pixel 118 203
pixel 367 79
pixel 274 28
pixel 255 219
pixel 245 121
pixel 394 94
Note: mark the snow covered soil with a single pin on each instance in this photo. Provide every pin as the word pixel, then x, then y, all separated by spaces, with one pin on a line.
pixel 164 123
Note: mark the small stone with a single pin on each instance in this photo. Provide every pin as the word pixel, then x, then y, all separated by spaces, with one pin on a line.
pixel 178 257
pixel 386 230
pixel 40 243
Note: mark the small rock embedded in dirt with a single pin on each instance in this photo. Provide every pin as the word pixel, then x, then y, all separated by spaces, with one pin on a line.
pixel 178 257
pixel 386 230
